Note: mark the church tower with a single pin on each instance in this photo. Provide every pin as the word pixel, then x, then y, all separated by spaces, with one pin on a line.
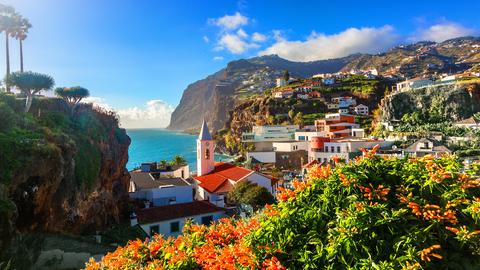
pixel 205 151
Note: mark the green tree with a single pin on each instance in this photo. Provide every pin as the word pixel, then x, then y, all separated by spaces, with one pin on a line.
pixel 163 163
pixel 72 95
pixel 286 76
pixel 30 84
pixel 250 194
pixel 179 160
pixel 8 24
pixel 298 120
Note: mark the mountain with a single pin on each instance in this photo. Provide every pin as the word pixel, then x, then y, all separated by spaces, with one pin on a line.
pixel 214 96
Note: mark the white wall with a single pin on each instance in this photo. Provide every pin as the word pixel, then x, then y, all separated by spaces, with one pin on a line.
pixel 265 157
pixel 308 135
pixel 182 194
pixel 261 181
pixel 290 146
pixel 164 226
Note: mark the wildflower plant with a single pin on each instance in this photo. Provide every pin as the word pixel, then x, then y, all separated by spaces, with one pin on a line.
pixel 373 213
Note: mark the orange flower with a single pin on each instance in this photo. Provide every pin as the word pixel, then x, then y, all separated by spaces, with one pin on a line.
pixel 427 255
pixel 336 159
pixel 284 194
pixel 272 264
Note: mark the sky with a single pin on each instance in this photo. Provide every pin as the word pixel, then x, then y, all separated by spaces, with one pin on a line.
pixel 137 56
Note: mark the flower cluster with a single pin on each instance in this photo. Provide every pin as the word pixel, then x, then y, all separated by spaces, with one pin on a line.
pixel 374 213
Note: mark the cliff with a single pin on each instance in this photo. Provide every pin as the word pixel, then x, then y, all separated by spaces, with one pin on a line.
pixel 438 104
pixel 60 172
pixel 213 96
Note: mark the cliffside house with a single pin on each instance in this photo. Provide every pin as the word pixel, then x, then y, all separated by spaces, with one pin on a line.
pixel 413 84
pixel 336 125
pixel 425 146
pixel 262 137
pixel 170 220
pixel 361 109
pixel 215 179
pixel 468 123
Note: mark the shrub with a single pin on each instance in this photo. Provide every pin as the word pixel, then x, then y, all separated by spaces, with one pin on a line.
pixel 374 213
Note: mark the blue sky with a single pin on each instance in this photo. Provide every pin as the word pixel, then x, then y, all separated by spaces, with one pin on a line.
pixel 133 52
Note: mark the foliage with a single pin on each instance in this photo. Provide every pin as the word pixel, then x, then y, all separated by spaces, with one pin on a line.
pixel 298 119
pixel 250 194
pixel 30 82
pixel 72 95
pixel 373 213
pixel 178 160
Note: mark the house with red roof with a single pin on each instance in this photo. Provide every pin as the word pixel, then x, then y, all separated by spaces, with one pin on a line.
pixel 215 179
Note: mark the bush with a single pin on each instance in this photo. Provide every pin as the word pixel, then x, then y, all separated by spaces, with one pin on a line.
pixel 374 213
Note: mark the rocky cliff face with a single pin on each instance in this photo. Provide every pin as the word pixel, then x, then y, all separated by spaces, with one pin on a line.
pixel 450 102
pixel 61 172
pixel 215 95
pixel 241 79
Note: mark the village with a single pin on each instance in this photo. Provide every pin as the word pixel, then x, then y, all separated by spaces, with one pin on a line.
pixel 166 197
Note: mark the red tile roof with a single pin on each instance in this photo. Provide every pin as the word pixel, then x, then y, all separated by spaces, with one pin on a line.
pixel 220 175
pixel 175 211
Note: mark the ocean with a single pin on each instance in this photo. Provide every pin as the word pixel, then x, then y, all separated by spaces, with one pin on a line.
pixel 158 144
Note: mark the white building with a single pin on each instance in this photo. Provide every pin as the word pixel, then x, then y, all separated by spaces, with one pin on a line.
pixel 215 179
pixel 425 146
pixel 263 136
pixel 412 84
pixel 307 135
pixel 158 191
pixel 182 171
pixel 290 146
pixel 170 220
pixel 361 109
pixel 281 82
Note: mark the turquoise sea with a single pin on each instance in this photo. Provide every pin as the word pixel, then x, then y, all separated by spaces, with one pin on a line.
pixel 157 144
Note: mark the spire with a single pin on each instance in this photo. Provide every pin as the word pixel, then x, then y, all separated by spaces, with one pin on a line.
pixel 204 133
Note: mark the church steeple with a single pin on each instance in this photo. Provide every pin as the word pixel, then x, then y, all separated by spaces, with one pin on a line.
pixel 204 132
pixel 205 151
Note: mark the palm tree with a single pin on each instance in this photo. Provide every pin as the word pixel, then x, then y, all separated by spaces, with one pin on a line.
pixel 22 26
pixel 178 160
pixel 30 83
pixel 7 25
pixel 72 95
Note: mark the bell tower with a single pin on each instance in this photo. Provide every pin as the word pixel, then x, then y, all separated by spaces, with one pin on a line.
pixel 205 151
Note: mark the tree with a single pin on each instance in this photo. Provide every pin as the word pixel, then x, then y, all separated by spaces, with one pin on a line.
pixel 163 163
pixel 30 84
pixel 250 194
pixel 286 76
pixel 298 120
pixel 72 95
pixel 179 160
pixel 291 114
pixel 20 32
pixel 8 24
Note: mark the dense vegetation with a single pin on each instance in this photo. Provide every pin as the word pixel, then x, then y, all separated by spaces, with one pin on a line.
pixel 250 195
pixel 374 213
pixel 25 137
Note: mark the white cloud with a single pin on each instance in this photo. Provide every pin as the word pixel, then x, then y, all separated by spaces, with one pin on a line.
pixel 235 44
pixel 154 114
pixel 218 58
pixel 322 46
pixel 241 33
pixel 230 22
pixel 206 39
pixel 257 37
pixel 442 32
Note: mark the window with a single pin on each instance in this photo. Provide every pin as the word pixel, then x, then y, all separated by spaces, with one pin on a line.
pixel 207 154
pixel 326 148
pixel 333 149
pixel 154 230
pixel 338 149
pixel 207 220
pixel 174 227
